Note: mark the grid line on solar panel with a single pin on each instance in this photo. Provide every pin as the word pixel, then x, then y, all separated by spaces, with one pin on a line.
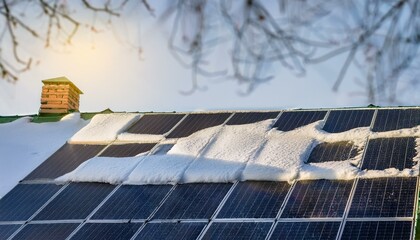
pixel 367 230
pixel 64 160
pixel 393 119
pixel 237 230
pixel 337 151
pixel 7 230
pixel 24 200
pixel 126 150
pixel 255 200
pixel 102 231
pixel 306 230
pixel 384 197
pixel 344 120
pixel 318 199
pixel 169 231
pixel 250 117
pixel 46 231
pixel 133 202
pixel 193 201
pixel 383 153
pixel 155 123
pixel 291 120
pixel 195 122
pixel 76 201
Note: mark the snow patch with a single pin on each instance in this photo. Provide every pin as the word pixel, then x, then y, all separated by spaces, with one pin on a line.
pixel 144 138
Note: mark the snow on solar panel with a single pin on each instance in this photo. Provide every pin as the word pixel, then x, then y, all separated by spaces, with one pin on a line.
pixel 291 120
pixel 238 230
pixel 251 117
pixel 367 230
pixel 169 231
pixel 195 122
pixel 155 123
pixel 162 149
pixel 127 150
pixel 344 120
pixel 306 230
pixel 337 151
pixel 46 231
pixel 103 231
pixel 393 119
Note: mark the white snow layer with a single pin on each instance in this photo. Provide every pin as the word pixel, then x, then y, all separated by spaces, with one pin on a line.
pixel 24 145
pixel 104 128
pixel 241 152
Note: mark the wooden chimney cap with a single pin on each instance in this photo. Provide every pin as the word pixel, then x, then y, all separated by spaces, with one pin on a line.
pixel 62 80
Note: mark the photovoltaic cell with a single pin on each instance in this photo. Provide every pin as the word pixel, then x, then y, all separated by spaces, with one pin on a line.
pixel 127 150
pixel 7 230
pixel 132 202
pixel 24 200
pixel 337 151
pixel 76 201
pixel 306 230
pixel 65 160
pixel 238 230
pixel 103 231
pixel 343 120
pixel 392 119
pixel 318 198
pixel 193 201
pixel 155 123
pixel 195 122
pixel 255 200
pixel 383 153
pixel 56 231
pixel 367 230
pixel 291 120
pixel 384 197
pixel 251 117
pixel 169 231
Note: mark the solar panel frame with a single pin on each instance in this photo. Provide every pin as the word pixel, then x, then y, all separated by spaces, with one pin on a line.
pixel 306 230
pixel 389 119
pixel 156 124
pixel 237 230
pixel 102 231
pixel 337 151
pixel 353 119
pixel 49 231
pixel 171 230
pixel 290 120
pixel 240 118
pixel 197 121
pixel 377 230
pixel 64 160
pixel 127 149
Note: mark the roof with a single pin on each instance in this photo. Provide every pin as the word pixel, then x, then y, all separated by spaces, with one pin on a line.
pixel 323 173
pixel 62 80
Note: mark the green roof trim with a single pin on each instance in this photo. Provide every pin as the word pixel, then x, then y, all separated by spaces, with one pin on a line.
pixel 62 80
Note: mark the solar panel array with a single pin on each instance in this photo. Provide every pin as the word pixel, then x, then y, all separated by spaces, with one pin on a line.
pixel 380 208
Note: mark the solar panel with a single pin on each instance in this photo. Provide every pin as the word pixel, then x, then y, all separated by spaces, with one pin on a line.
pixel 367 230
pixel 7 230
pixel 46 231
pixel 155 123
pixel 238 230
pixel 383 153
pixel 65 160
pixel 111 231
pixel 251 117
pixel 195 122
pixel 255 200
pixel 132 202
pixel 127 150
pixel 168 231
pixel 392 119
pixel 306 230
pixel 343 120
pixel 317 198
pixel 193 201
pixel 162 149
pixel 337 151
pixel 291 120
pixel 76 201
pixel 24 200
pixel 384 197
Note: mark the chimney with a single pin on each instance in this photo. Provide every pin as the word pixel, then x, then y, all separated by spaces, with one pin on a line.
pixel 59 95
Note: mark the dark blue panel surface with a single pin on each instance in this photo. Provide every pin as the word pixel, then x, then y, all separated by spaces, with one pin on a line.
pixel 127 150
pixel 24 200
pixel 291 120
pixel 155 123
pixel 306 230
pixel 251 117
pixel 343 120
pixel 103 231
pixel 338 151
pixel 392 119
pixel 383 153
pixel 65 160
pixel 255 200
pixel 318 198
pixel 77 201
pixel 192 201
pixel 7 230
pixel 54 231
pixel 132 202
pixel 386 230
pixel 169 231
pixel 195 122
pixel 238 230
pixel 384 197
